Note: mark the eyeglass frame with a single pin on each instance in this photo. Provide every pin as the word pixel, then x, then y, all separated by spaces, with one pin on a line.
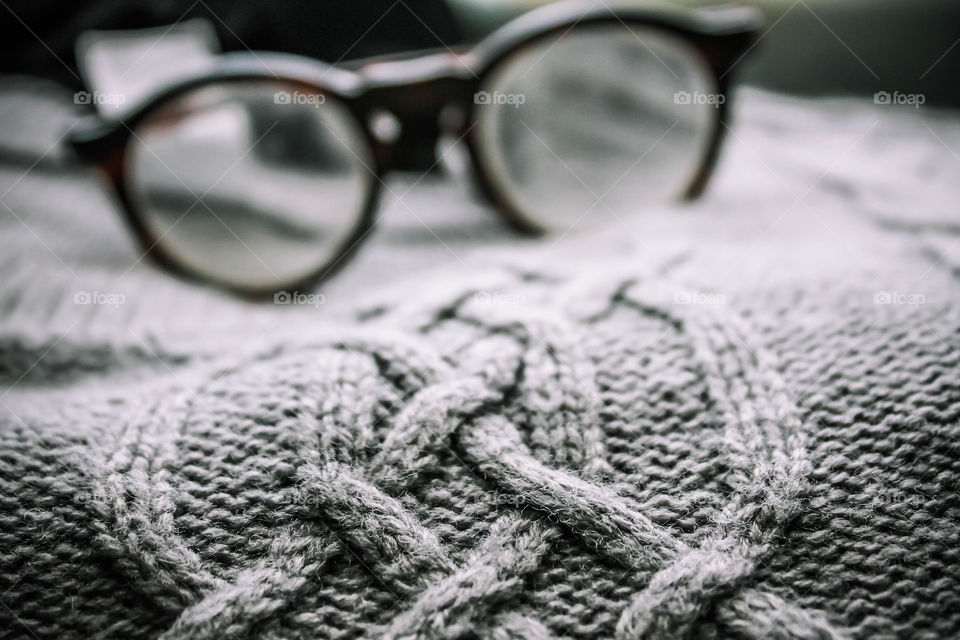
pixel 417 88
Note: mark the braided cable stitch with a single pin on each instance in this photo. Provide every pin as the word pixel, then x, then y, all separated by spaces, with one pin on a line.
pixel 351 478
pixel 414 485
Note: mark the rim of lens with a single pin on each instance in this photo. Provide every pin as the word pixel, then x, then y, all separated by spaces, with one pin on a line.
pixel 489 154
pixel 359 146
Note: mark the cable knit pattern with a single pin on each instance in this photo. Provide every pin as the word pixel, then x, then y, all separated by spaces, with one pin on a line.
pixel 629 443
pixel 265 457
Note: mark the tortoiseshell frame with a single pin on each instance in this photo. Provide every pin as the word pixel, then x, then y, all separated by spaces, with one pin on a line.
pixel 416 88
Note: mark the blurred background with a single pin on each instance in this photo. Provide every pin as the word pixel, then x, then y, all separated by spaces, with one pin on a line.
pixel 812 47
pixel 58 213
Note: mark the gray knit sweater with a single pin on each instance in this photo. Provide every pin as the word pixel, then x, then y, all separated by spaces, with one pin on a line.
pixel 736 419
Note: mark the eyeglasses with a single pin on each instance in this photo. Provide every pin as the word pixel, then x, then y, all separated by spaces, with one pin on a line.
pixel 264 173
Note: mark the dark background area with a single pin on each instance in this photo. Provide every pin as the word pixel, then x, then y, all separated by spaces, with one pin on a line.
pixel 39 37
pixel 811 47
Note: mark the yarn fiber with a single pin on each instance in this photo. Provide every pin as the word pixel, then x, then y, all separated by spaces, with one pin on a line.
pixel 380 487
pixel 614 443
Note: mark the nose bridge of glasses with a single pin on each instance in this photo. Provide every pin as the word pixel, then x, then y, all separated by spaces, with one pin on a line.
pixel 415 91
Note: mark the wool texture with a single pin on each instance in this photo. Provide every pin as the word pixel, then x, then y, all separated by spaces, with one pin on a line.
pixel 745 429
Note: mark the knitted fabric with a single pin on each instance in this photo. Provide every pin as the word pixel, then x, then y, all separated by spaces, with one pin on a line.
pixel 721 433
